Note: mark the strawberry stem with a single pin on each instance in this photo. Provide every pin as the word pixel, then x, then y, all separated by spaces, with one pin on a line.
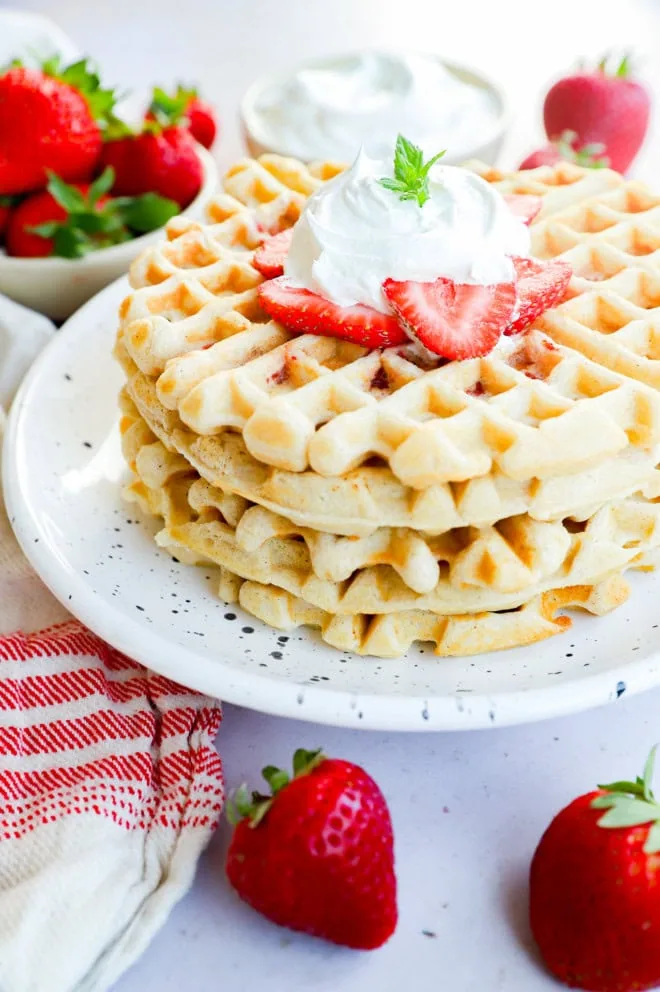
pixel 632 804
pixel 254 806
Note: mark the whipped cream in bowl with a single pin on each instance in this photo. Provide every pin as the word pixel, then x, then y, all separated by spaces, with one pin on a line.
pixel 354 234
pixel 330 108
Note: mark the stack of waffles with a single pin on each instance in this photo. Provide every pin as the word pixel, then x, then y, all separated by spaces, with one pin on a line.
pixel 375 495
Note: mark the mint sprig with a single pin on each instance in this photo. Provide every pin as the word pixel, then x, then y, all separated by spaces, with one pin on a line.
pixel 411 172
pixel 632 804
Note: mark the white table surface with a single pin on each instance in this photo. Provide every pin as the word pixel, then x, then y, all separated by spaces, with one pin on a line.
pixel 468 808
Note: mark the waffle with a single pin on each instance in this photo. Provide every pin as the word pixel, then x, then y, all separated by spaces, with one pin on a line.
pixel 469 570
pixel 370 497
pixel 390 636
pixel 612 316
pixel 177 495
pixel 384 497
pixel 559 186
pixel 530 410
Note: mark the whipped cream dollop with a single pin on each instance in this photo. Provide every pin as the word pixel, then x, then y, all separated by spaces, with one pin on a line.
pixel 366 99
pixel 354 234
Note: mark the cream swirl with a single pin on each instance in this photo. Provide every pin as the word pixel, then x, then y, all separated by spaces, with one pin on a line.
pixel 329 109
pixel 354 234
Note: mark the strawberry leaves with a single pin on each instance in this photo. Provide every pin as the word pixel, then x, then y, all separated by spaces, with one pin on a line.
pixel 590 156
pixel 632 804
pixel 95 220
pixel 254 806
pixel 82 76
pixel 411 172
pixel 170 110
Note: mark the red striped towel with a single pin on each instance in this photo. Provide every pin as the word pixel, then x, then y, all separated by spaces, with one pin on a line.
pixel 110 787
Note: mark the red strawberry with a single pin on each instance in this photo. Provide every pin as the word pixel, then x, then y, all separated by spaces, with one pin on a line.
pixel 186 108
pixel 304 312
pixel 567 148
pixel 158 160
pixel 48 121
pixel 270 256
pixel 601 106
pixel 317 855
pixel 594 884
pixel 452 319
pixel 524 206
pixel 539 286
pixel 71 221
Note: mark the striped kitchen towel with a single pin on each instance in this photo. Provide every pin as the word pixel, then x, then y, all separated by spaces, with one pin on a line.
pixel 110 788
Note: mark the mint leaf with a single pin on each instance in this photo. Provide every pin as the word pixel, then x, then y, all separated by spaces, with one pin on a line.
pixel 410 172
pixel 147 212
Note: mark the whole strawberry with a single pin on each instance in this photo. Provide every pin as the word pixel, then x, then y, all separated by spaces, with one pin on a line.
pixel 594 885
pixel 601 106
pixel 316 855
pixel 157 160
pixel 71 221
pixel 185 107
pixel 49 120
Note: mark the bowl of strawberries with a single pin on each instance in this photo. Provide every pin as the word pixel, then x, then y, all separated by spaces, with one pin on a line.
pixel 82 192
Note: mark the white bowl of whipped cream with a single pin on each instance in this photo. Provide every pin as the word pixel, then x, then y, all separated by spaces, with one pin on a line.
pixel 331 107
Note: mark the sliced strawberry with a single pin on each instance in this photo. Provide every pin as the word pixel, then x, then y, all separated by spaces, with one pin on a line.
pixel 524 206
pixel 539 285
pixel 452 319
pixel 269 258
pixel 304 312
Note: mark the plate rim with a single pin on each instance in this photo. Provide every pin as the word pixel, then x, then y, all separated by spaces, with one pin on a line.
pixel 262 691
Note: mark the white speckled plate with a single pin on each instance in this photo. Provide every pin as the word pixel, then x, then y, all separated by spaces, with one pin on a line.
pixel 62 469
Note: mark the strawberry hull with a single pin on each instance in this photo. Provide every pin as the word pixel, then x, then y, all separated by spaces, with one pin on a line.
pixel 603 109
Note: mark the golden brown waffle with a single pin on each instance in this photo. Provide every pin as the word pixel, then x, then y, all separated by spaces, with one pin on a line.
pixel 391 635
pixel 380 498
pixel 369 497
pixel 559 186
pixel 530 410
pixel 385 635
pixel 463 571
pixel 612 314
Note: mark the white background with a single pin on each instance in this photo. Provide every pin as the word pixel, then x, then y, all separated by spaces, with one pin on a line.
pixel 468 809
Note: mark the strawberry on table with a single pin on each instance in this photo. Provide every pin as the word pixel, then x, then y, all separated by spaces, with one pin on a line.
pixel 70 221
pixel 594 885
pixel 539 286
pixel 605 105
pixel 187 108
pixel 270 256
pixel 304 312
pixel 316 855
pixel 567 148
pixel 451 319
pixel 158 159
pixel 50 119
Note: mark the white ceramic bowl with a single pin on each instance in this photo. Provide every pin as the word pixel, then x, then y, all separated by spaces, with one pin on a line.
pixel 486 149
pixel 58 286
